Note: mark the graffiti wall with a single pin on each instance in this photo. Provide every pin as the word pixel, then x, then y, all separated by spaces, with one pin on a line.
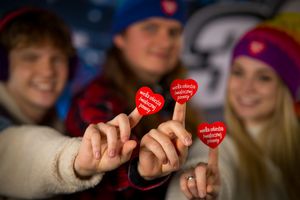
pixel 211 31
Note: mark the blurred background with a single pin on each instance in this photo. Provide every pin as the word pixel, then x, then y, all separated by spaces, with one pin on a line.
pixel 212 28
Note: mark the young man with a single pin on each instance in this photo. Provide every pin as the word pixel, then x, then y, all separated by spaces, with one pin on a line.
pixel 38 161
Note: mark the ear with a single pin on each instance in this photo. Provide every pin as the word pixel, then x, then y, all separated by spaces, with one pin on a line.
pixel 119 41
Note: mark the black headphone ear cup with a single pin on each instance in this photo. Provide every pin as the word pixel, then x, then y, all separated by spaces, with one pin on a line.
pixel 3 64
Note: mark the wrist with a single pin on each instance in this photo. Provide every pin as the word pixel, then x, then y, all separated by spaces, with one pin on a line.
pixel 79 171
pixel 140 182
pixel 140 171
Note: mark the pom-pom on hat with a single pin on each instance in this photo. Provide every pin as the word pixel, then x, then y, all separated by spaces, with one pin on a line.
pixel 131 11
pixel 277 43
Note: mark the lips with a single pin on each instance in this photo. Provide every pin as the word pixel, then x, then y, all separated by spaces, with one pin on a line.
pixel 247 101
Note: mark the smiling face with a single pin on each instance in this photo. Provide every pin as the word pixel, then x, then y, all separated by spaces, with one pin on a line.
pixel 253 90
pixel 37 76
pixel 151 47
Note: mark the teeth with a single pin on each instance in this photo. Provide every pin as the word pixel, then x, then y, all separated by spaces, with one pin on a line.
pixel 44 86
pixel 248 101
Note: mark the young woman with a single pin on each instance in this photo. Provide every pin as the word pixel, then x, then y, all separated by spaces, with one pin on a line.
pixel 147 36
pixel 259 159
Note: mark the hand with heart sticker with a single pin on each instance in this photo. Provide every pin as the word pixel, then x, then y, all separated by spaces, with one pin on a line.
pixel 183 90
pixel 212 134
pixel 148 102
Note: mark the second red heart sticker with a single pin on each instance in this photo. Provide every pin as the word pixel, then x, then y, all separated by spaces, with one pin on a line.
pixel 147 102
pixel 183 90
pixel 212 134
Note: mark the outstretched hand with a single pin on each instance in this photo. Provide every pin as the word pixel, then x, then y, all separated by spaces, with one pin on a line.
pixel 164 150
pixel 202 181
pixel 106 146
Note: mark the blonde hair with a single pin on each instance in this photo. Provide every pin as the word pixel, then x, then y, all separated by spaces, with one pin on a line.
pixel 279 141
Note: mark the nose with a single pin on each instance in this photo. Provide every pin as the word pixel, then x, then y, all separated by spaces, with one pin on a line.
pixel 248 85
pixel 46 68
pixel 164 39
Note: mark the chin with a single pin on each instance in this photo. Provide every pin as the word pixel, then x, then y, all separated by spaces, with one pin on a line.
pixel 45 103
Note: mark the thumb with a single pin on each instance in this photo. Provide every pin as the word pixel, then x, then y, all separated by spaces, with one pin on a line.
pixel 127 149
pixel 134 118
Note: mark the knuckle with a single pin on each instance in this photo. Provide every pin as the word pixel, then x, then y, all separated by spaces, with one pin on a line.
pixel 152 131
pixel 110 128
pixel 123 116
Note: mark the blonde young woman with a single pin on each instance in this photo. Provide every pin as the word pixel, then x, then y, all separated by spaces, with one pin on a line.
pixel 260 157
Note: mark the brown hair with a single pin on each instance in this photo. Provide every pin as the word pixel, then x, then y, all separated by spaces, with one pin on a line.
pixel 34 26
pixel 117 70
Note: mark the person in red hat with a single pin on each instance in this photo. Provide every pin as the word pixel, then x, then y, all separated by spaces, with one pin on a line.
pixel 260 157
pixel 146 37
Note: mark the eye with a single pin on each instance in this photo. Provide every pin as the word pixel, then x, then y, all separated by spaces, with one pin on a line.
pixel 236 71
pixel 30 57
pixel 150 28
pixel 264 78
pixel 175 32
pixel 59 60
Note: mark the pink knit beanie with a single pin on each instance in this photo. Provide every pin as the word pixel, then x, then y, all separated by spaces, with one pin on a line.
pixel 277 43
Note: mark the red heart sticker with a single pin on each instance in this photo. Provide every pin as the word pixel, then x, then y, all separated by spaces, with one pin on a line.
pixel 183 90
pixel 169 7
pixel 212 134
pixel 257 47
pixel 147 102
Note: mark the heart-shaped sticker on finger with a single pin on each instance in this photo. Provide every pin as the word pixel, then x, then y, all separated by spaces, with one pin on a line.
pixel 183 90
pixel 212 134
pixel 148 102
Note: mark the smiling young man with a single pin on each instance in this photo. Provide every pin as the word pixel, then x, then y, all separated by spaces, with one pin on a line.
pixel 38 161
pixel 35 65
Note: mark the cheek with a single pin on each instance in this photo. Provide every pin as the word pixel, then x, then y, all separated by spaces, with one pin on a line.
pixel 62 73
pixel 175 56
pixel 19 74
pixel 233 85
pixel 177 48
pixel 134 53
pixel 233 89
pixel 270 91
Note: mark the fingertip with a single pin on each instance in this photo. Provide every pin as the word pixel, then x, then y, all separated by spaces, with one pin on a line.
pixel 128 147
pixel 133 143
pixel 188 141
pixel 209 188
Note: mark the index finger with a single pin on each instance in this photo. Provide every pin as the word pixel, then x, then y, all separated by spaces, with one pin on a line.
pixel 213 157
pixel 179 113
pixel 134 118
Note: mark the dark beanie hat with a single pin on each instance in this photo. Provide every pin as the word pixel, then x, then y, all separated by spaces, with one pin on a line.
pixel 131 11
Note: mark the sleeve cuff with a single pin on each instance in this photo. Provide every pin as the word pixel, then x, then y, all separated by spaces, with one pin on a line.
pixel 139 182
pixel 67 171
